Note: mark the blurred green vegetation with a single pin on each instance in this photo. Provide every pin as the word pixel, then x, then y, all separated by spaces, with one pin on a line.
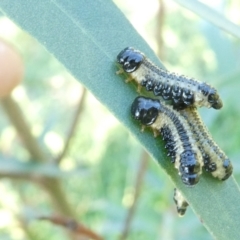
pixel 99 171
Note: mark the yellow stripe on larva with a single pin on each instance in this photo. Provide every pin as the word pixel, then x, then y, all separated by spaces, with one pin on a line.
pixel 164 120
pixel 217 158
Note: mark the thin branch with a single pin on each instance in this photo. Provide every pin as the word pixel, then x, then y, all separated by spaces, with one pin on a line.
pixel 52 186
pixel 139 180
pixel 16 117
pixel 76 228
pixel 73 126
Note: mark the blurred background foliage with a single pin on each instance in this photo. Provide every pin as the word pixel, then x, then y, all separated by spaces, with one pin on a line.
pixel 104 166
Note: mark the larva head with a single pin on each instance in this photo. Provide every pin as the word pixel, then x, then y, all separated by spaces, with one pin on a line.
pixel 145 110
pixel 130 59
pixel 212 96
pixel 214 100
pixel 228 169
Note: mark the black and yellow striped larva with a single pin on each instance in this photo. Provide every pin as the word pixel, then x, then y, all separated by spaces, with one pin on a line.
pixel 180 202
pixel 215 160
pixel 182 91
pixel 175 132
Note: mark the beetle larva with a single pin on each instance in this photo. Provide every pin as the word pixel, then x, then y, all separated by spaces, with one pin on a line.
pixel 215 160
pixel 180 202
pixel 181 90
pixel 175 132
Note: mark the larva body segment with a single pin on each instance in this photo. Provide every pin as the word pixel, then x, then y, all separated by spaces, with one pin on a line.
pixel 180 202
pixel 181 90
pixel 215 160
pixel 175 132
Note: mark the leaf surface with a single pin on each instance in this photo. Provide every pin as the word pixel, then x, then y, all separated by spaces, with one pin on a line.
pixel 86 36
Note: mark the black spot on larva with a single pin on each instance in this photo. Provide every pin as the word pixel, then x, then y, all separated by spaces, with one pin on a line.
pixel 188 97
pixel 179 105
pixel 211 167
pixel 158 89
pixel 176 94
pixel 208 165
pixel 144 82
pixel 172 155
pixel 149 84
pixel 172 76
pixel 166 133
pixel 163 74
pixel 167 92
pixel 170 143
pixel 130 59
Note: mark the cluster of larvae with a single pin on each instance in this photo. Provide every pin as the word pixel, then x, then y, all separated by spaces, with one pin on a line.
pixel 187 140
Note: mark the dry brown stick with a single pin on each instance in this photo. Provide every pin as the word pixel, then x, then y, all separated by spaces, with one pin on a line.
pixel 73 126
pixel 16 117
pixel 76 228
pixel 52 186
pixel 139 179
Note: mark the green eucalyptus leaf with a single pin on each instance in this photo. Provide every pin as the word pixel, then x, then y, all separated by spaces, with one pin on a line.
pixel 86 36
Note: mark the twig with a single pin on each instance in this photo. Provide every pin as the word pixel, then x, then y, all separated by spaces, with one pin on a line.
pixel 73 126
pixel 76 228
pixel 16 117
pixel 52 186
pixel 139 179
